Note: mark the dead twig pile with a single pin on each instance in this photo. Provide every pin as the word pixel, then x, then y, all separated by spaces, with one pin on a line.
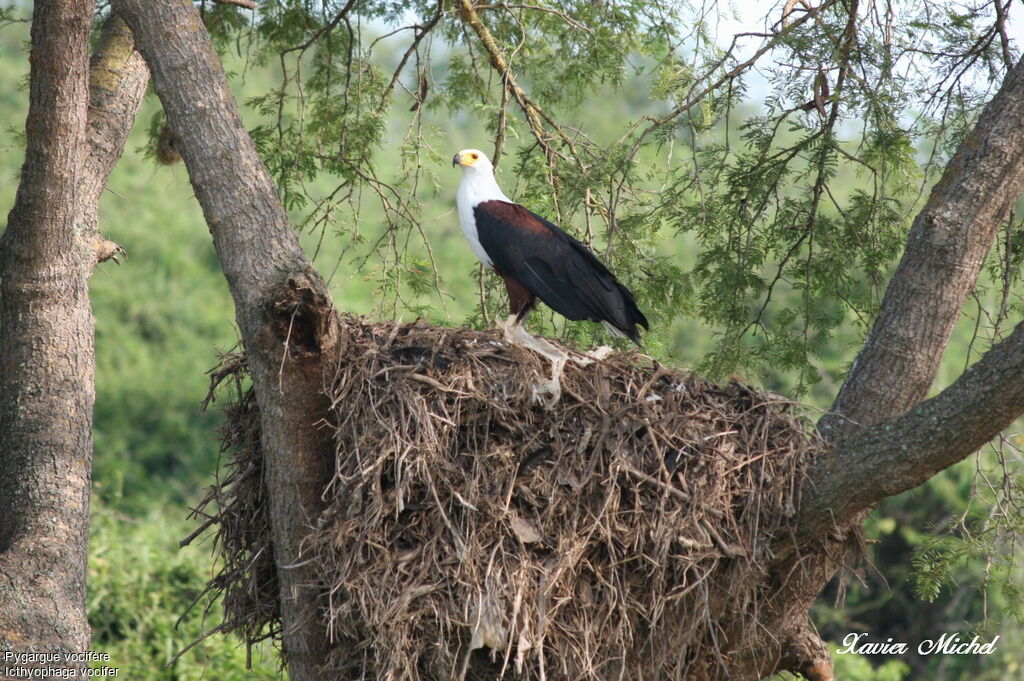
pixel 471 533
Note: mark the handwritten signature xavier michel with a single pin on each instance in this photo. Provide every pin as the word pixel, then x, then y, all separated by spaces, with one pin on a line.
pixel 947 644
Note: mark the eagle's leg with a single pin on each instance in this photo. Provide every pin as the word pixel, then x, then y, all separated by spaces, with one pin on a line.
pixel 520 336
pixel 521 301
pixel 515 334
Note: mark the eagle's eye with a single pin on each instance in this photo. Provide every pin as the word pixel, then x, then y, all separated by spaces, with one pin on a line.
pixel 474 156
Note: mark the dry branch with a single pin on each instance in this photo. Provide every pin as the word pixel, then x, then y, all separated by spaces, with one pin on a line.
pixel 247 4
pixel 535 116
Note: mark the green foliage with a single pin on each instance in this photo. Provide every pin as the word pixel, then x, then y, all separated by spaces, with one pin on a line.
pixel 140 589
pixel 979 538
pixel 797 209
pixel 942 562
pixel 933 565
pixel 858 668
pixel 162 317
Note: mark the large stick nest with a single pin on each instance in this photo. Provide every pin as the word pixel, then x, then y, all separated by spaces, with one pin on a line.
pixel 470 532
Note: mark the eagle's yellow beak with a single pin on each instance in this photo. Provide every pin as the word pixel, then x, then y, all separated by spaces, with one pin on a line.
pixel 467 157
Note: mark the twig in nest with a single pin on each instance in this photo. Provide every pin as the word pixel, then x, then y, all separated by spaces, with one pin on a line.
pixel 651 480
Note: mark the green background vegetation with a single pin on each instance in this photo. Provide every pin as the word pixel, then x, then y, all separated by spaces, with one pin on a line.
pixel 164 316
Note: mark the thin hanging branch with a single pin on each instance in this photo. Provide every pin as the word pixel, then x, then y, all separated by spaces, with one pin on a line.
pixel 535 116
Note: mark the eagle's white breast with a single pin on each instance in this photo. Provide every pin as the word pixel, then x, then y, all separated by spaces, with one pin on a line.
pixel 477 185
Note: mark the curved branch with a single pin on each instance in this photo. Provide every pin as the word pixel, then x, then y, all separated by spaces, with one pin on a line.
pixel 535 116
pixel 932 436
pixel 288 323
pixel 246 4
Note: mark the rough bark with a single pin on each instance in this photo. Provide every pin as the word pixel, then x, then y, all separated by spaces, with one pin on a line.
pixel 946 248
pixel 46 346
pixel 282 305
pixel 48 252
pixel 932 436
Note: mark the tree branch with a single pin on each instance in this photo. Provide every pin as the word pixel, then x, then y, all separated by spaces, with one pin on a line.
pixel 535 116
pixel 946 248
pixel 247 4
pixel 932 436
pixel 117 81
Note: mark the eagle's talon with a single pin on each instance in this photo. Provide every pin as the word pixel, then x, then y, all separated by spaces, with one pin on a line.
pixel 599 354
pixel 551 387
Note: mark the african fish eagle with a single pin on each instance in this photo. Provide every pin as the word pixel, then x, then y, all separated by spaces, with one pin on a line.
pixel 536 259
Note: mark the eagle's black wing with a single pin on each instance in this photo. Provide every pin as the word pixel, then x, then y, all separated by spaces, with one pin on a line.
pixel 555 267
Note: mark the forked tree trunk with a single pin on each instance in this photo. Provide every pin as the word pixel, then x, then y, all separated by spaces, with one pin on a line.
pixel 946 249
pixel 47 253
pixel 877 452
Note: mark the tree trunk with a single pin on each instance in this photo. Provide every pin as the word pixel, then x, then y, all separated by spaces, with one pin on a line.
pixel 283 309
pixel 47 351
pixel 46 336
pixel 946 249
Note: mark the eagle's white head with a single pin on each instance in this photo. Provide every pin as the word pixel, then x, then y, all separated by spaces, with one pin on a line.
pixel 478 183
pixel 473 159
